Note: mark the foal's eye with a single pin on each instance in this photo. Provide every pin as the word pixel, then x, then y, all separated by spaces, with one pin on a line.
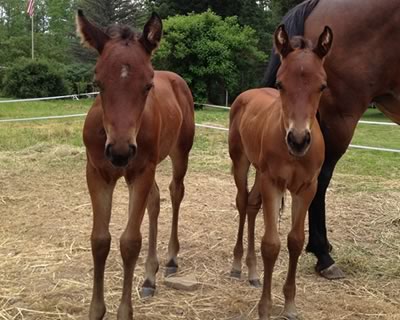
pixel 278 85
pixel 323 87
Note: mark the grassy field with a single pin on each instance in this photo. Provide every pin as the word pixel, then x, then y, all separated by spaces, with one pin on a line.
pixel 210 146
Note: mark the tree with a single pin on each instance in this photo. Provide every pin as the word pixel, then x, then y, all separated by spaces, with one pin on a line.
pixel 105 13
pixel 279 8
pixel 211 53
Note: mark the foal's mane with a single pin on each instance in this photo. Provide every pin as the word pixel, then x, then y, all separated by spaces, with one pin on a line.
pixel 299 42
pixel 122 32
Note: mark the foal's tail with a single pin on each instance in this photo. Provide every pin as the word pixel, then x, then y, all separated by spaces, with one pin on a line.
pixel 294 22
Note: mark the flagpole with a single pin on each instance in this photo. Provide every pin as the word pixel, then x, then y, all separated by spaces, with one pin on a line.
pixel 33 42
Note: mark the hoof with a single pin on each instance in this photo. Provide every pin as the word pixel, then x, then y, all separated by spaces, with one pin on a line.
pixel 169 271
pixel 97 311
pixel 288 316
pixel 332 273
pixel 236 274
pixel 256 283
pixel 147 292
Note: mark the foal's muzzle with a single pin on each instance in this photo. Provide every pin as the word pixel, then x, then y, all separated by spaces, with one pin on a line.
pixel 298 142
pixel 119 155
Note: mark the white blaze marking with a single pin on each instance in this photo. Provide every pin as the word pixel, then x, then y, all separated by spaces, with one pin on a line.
pixel 124 71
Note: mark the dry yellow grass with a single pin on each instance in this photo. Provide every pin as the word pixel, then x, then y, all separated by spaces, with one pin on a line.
pixel 46 266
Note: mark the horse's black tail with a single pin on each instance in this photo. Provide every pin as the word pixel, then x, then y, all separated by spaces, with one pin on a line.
pixel 294 22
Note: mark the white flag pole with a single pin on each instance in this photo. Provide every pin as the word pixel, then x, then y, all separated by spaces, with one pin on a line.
pixel 33 42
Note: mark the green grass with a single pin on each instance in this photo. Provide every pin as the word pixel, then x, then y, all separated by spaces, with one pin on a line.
pixel 210 148
pixel 44 108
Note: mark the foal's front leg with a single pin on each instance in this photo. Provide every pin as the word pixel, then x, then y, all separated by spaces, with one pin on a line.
pixel 101 197
pixel 131 238
pixel 270 243
pixel 152 264
pixel 295 243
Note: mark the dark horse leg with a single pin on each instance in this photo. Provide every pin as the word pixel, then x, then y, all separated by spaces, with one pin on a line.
pixel 337 137
pixel 318 240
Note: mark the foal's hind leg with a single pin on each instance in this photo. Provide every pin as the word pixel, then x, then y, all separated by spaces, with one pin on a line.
pixel 177 191
pixel 153 208
pixel 240 169
pixel 253 206
pixel 101 196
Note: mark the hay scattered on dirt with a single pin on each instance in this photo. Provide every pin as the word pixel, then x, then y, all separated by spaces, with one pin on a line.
pixel 46 266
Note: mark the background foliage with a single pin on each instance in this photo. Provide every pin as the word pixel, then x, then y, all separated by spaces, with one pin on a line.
pixel 216 45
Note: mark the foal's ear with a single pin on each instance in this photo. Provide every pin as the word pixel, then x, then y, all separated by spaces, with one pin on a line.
pixel 90 35
pixel 281 41
pixel 324 43
pixel 152 33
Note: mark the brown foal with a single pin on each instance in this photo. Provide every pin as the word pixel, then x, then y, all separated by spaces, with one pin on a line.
pixel 278 133
pixel 140 117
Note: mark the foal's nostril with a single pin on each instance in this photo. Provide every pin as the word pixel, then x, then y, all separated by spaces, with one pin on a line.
pixel 307 138
pixel 290 138
pixel 108 151
pixel 132 150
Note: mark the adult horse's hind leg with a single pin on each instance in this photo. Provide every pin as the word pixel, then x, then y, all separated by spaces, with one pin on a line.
pixel 253 206
pixel 179 160
pixel 240 169
pixel 153 208
pixel 337 136
pixel 101 197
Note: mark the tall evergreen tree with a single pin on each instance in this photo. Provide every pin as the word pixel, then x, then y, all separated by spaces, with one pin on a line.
pixel 279 8
pixel 107 12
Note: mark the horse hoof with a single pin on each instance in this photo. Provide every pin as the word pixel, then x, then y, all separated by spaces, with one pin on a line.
pixel 332 273
pixel 170 271
pixel 236 274
pixel 147 292
pixel 256 283
pixel 288 316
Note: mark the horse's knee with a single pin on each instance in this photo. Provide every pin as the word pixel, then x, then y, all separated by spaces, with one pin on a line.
pixel 177 189
pixel 130 248
pixel 295 242
pixel 270 248
pixel 100 245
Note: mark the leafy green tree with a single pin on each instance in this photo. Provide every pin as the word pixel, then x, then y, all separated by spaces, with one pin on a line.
pixel 211 53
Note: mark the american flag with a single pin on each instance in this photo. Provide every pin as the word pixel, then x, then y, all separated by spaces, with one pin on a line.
pixel 31 7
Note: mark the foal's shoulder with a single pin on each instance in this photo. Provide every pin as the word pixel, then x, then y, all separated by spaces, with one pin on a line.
pixel 168 76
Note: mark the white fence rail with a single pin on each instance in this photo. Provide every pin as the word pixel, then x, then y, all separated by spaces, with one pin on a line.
pixel 76 97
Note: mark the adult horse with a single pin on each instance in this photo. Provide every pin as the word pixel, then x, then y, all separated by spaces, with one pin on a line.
pixel 279 134
pixel 363 67
pixel 140 117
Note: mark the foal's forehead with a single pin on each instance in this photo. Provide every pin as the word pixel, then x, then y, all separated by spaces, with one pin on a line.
pixel 303 63
pixel 120 54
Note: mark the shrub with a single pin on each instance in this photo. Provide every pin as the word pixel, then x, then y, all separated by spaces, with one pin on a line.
pixel 79 77
pixel 30 79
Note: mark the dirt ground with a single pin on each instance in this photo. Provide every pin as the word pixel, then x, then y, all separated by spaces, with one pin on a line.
pixel 46 265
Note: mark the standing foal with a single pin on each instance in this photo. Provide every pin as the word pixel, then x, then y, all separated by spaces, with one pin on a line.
pixel 279 134
pixel 139 118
